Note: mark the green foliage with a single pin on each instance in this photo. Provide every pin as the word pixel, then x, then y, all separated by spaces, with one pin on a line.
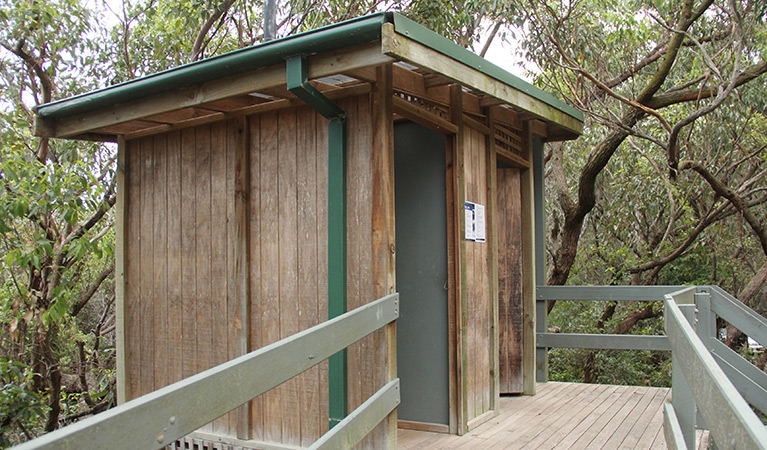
pixel 49 259
pixel 641 368
pixel 636 368
pixel 18 403
pixel 647 226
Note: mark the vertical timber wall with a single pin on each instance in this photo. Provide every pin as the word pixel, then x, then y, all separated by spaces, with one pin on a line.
pixel 182 313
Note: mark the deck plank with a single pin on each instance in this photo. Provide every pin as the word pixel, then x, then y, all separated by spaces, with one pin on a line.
pixel 526 409
pixel 560 435
pixel 562 416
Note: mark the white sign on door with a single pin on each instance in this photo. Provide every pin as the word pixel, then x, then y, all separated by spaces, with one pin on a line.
pixel 475 221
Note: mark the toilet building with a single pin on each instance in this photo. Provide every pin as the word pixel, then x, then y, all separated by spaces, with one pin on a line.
pixel 262 191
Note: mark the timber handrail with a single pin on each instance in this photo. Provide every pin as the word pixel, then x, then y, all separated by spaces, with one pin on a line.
pixel 722 382
pixel 546 340
pixel 159 418
pixel 699 383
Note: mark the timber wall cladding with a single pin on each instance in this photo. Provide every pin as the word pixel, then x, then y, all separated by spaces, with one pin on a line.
pixel 479 331
pixel 180 298
pixel 510 288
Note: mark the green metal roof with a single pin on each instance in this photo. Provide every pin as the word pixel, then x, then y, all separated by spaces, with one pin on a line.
pixel 333 37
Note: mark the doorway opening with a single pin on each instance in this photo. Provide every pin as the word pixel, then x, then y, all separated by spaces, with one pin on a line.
pixel 422 275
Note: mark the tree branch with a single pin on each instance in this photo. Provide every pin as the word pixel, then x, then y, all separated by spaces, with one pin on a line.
pixel 91 290
pixel 206 26
pixel 720 188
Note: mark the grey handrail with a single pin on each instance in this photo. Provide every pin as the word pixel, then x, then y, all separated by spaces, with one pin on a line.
pixel 546 340
pixel 159 418
pixel 735 380
pixel 732 422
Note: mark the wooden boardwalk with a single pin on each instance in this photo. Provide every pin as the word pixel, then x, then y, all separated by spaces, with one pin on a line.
pixel 562 416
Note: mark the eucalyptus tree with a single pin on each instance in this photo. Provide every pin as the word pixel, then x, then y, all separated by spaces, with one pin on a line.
pixel 650 76
pixel 668 182
pixel 55 226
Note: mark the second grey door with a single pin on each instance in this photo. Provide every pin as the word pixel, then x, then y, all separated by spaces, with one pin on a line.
pixel 421 246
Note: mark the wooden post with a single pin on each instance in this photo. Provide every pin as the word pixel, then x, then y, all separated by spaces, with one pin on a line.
pixel 705 326
pixel 122 356
pixel 536 147
pixel 242 260
pixel 682 398
pixel 492 241
pixel 459 198
pixel 384 251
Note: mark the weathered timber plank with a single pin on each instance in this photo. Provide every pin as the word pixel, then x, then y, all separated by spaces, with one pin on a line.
pixel 288 265
pixel 642 426
pixel 621 432
pixel 257 108
pixel 188 253
pixel 510 273
pixel 146 281
pixel 203 279
pixel 255 320
pixel 550 419
pixel 422 116
pixel 174 345
pixel 497 432
pixel 568 431
pixel 361 124
pixel 382 216
pixel 528 267
pixel 270 276
pixel 159 304
pixel 219 235
pixel 308 261
pixel 189 250
pixel 120 272
pixel 238 255
pixel 458 180
pixel 606 422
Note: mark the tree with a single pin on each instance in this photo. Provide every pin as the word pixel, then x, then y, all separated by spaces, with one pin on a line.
pixel 54 219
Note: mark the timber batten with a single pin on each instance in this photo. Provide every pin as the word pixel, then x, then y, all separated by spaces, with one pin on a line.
pixel 223 214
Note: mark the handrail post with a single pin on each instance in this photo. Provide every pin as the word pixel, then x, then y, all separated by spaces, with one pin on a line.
pixel 706 319
pixel 681 394
pixel 705 327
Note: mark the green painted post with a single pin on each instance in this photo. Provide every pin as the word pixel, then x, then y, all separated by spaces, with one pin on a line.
pixel 337 260
pixel 297 83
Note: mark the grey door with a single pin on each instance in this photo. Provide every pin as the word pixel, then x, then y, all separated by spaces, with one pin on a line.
pixel 421 244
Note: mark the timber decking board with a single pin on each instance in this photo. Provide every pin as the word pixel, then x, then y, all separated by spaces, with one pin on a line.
pixel 562 415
